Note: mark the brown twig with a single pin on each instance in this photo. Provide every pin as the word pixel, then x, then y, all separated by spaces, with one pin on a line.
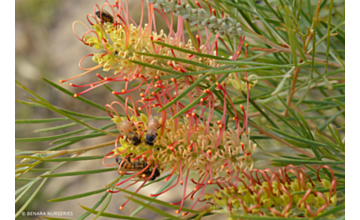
pixel 292 90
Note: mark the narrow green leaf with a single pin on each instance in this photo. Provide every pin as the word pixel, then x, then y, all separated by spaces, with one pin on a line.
pixel 262 217
pixel 55 128
pixel 156 210
pixel 309 8
pixel 291 36
pixel 331 211
pixel 282 82
pixel 242 63
pixel 31 92
pixel 338 139
pixel 80 172
pixel 339 103
pixel 197 100
pixel 86 214
pixel 72 94
pixel 24 179
pixel 261 111
pixel 341 217
pixel 320 108
pixel 32 104
pixel 328 35
pixel 82 137
pixel 110 215
pixel 77 196
pixel 168 183
pixel 272 10
pixel 30 198
pixel 282 119
pixel 330 120
pixel 165 204
pixel 298 138
pixel 39 170
pixel 60 146
pixel 287 161
pixel 190 51
pixel 28 186
pixel 104 206
pixel 38 178
pixel 184 93
pixel 331 144
pixel 38 139
pixel 334 97
pixel 239 7
pixel 302 129
pixel 73 158
pixel 304 122
pixel 156 67
pixel 193 40
pixel 304 95
pixel 36 121
pixel 177 75
pixel 176 59
pixel 53 108
pixel 24 187
pixel 296 143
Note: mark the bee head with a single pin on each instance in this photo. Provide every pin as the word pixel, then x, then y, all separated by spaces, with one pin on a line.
pixel 150 137
pixel 135 140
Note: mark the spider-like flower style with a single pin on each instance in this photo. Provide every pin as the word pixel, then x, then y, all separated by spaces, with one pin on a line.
pixel 274 195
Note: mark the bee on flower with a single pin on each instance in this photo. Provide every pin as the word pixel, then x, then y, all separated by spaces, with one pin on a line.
pixel 180 147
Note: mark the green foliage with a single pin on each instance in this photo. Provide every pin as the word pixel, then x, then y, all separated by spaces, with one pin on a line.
pixel 297 109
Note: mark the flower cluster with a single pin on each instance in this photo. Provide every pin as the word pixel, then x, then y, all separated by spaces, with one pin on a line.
pixel 195 139
pixel 276 194
pixel 205 148
pixel 137 52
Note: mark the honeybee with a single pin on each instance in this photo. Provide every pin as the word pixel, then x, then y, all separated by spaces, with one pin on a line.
pixel 136 166
pixel 128 166
pixel 151 133
pixel 106 16
pixel 129 130
pixel 149 172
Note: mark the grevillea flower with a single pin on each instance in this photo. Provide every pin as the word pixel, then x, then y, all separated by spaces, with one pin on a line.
pixel 123 44
pixel 202 143
pixel 276 194
pixel 196 144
